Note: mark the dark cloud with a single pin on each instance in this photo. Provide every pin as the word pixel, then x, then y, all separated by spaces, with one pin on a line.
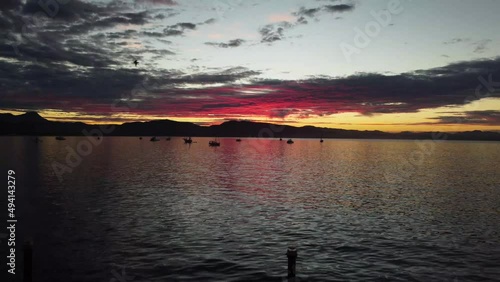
pixel 77 33
pixel 368 94
pixel 307 12
pixel 221 105
pixel 6 5
pixel 161 52
pixel 302 20
pixel 470 117
pixel 274 32
pixel 157 2
pixel 184 26
pixel 220 76
pixel 229 44
pixel 154 34
pixel 314 12
pixel 64 54
pixel 210 21
pixel 5 24
pixel 282 112
pixel 160 16
pixel 73 10
pixel 172 32
pixel 63 86
pixel 178 29
pixel 340 8
pixel 139 18
pixel 121 35
pixel 95 88
pixel 47 49
pixel 164 41
pixel 77 17
pixel 481 45
pixel 456 40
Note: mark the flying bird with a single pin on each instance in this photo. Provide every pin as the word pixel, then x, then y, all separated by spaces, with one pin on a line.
pixel 136 63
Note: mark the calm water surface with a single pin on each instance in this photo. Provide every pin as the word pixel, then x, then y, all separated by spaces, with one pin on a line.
pixel 357 210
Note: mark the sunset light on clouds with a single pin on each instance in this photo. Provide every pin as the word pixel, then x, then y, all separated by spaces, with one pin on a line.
pixel 366 65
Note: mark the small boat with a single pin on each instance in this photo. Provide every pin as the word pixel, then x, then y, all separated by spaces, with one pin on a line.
pixel 290 141
pixel 281 139
pixel 154 139
pixel 188 140
pixel 214 143
pixel 60 138
pixel 168 139
pixel 238 140
pixel 140 138
pixel 321 140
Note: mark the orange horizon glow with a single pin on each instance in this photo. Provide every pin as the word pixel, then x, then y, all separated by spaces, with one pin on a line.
pixel 412 122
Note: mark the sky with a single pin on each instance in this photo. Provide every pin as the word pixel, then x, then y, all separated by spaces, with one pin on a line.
pixel 390 65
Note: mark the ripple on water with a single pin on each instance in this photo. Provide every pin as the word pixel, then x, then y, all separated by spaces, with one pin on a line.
pixel 163 211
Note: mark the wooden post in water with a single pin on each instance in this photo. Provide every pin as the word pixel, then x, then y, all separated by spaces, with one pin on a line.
pixel 291 253
pixel 28 261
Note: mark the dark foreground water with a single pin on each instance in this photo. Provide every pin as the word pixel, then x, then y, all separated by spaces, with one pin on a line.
pixel 135 210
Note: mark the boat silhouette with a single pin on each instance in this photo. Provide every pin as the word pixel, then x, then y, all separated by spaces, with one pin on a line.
pixel 154 139
pixel 238 140
pixel 290 141
pixel 188 140
pixel 214 143
pixel 60 138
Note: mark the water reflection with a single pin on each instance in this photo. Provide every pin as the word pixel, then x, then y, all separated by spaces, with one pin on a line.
pixel 167 210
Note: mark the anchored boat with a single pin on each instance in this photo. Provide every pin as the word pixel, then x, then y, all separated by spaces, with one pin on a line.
pixel 214 143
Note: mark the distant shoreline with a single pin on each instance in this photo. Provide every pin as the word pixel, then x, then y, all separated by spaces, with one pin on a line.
pixel 32 124
pixel 266 138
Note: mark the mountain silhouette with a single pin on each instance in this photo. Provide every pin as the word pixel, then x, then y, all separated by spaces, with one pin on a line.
pixel 31 123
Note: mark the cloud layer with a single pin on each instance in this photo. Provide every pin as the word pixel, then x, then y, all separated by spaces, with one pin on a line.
pixel 82 62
